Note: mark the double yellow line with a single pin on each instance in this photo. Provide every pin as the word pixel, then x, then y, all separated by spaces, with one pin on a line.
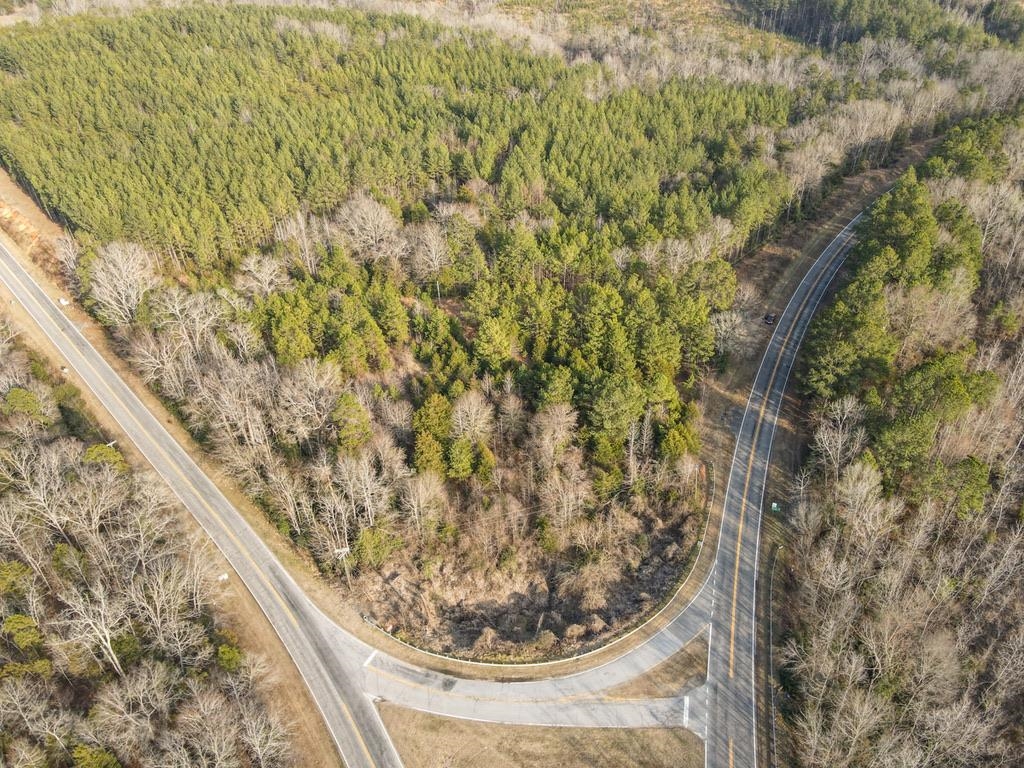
pixel 757 434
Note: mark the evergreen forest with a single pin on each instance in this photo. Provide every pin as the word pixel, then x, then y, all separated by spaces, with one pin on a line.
pixel 460 292
pixel 441 300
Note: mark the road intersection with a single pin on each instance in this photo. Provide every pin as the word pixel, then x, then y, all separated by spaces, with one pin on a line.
pixel 345 675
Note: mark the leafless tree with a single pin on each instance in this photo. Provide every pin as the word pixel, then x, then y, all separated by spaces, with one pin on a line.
pixel 369 228
pixel 551 432
pixel 564 494
pixel 68 254
pixel 925 319
pixel 119 277
pixel 729 330
pixel 427 253
pixel 189 319
pixel 261 275
pixel 265 738
pixel 23 754
pixel 210 727
pixel 840 436
pixel 422 497
pixel 306 234
pixel 26 706
pixel 306 398
pixel 95 618
pixel 130 712
pixel 472 416
pixel 395 415
pixel 366 494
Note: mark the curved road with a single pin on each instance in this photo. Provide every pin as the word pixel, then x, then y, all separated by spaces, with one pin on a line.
pixel 344 674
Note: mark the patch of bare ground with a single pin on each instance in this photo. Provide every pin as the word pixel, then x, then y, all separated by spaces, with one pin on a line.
pixel 28 232
pixel 685 669
pixel 429 741
pixel 27 13
pixel 462 602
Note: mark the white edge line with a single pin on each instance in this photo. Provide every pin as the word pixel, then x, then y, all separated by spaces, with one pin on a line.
pixel 847 230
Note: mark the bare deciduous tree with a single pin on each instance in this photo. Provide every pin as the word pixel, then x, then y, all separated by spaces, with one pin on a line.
pixel 472 416
pixel 265 738
pixel 119 277
pixel 261 275
pixel 306 398
pixel 551 432
pixel 369 228
pixel 427 253
pixel 95 618
pixel 840 436
pixel 130 712
pixel 422 497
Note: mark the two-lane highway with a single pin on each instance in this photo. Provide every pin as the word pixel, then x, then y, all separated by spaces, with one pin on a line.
pixel 732 724
pixel 343 673
pixel 350 715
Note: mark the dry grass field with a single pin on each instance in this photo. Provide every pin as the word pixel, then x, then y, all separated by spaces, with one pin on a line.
pixel 428 741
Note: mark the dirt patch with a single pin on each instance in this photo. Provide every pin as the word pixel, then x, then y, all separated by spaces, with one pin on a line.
pixel 27 13
pixel 428 741
pixel 25 223
pixel 685 669
pixel 512 610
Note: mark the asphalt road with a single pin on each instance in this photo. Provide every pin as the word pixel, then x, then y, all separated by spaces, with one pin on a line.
pixel 344 674
pixel 732 683
pixel 333 678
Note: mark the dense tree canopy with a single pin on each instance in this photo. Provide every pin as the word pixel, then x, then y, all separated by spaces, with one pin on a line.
pixel 920 22
pixel 438 301
pixel 425 278
pixel 196 129
pixel 111 654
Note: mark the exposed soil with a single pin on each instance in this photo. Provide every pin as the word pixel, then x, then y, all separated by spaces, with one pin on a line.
pixel 428 741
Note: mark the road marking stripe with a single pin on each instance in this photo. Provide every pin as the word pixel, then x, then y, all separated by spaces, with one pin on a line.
pixel 242 549
pixel 757 434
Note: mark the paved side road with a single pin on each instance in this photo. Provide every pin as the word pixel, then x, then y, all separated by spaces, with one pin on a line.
pixel 343 673
pixel 723 711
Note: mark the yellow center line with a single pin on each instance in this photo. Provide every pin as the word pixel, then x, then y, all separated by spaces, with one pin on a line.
pixel 243 550
pixel 730 753
pixel 750 470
